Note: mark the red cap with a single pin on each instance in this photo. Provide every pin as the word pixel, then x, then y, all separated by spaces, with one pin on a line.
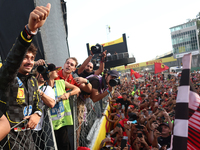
pixel 148 85
pixel 120 96
pixel 132 106
pixel 124 121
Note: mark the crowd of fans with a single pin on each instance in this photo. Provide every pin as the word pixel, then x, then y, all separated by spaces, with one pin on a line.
pixel 142 112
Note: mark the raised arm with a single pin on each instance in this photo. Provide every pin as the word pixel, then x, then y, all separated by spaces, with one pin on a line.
pixel 102 64
pixel 82 67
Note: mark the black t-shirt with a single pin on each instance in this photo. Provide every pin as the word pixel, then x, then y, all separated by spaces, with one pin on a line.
pixel 84 74
pixel 1 114
pixel 164 141
pixel 122 102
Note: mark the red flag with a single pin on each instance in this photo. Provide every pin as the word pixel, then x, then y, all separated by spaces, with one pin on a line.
pixel 159 67
pixel 136 74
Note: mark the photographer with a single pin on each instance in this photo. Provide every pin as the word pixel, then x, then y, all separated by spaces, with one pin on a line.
pixel 47 95
pixel 101 86
pixel 86 69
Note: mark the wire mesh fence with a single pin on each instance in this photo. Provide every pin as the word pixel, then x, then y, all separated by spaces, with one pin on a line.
pixel 22 138
pixel 85 115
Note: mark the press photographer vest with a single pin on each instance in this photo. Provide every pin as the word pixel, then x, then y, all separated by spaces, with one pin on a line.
pixel 61 112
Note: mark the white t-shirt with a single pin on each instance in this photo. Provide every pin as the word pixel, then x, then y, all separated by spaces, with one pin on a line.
pixel 49 92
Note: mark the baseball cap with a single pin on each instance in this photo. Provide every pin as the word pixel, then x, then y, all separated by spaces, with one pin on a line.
pixel 122 122
pixel 130 106
pixel 52 67
pixel 164 123
pixel 114 73
pixel 132 116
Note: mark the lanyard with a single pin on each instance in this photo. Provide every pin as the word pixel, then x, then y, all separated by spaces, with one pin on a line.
pixel 56 94
pixel 41 87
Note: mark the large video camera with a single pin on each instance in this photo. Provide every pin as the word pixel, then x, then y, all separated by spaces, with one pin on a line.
pixel 114 82
pixel 97 49
pixel 44 71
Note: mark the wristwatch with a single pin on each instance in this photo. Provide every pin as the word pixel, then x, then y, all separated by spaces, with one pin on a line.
pixel 38 112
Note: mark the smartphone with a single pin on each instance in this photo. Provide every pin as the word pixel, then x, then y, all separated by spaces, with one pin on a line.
pixel 159 129
pixel 123 143
pixel 122 114
pixel 139 135
pixel 139 127
pixel 122 106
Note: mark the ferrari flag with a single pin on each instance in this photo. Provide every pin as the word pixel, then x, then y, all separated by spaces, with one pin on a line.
pixel 159 67
pixel 136 74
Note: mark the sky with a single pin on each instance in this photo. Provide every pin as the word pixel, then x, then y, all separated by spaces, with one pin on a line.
pixel 145 22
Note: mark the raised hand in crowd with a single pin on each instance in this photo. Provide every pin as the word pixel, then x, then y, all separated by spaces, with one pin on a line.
pixel 38 17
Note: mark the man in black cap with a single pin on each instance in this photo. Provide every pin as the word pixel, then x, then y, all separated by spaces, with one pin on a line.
pixel 165 138
pixel 100 85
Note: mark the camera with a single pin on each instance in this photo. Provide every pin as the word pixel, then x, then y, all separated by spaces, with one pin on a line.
pixel 114 82
pixel 43 70
pixel 139 135
pixel 97 49
pixel 159 129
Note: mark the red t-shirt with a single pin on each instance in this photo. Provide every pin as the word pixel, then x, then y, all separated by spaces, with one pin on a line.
pixel 70 79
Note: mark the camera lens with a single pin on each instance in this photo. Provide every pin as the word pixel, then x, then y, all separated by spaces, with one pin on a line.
pixel 41 69
pixel 112 82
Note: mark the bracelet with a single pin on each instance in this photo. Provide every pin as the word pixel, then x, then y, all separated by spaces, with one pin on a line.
pixel 87 82
pixel 108 91
pixel 69 94
pixel 29 31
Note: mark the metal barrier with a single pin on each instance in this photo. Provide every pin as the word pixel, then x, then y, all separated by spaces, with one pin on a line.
pixel 85 113
pixel 25 139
